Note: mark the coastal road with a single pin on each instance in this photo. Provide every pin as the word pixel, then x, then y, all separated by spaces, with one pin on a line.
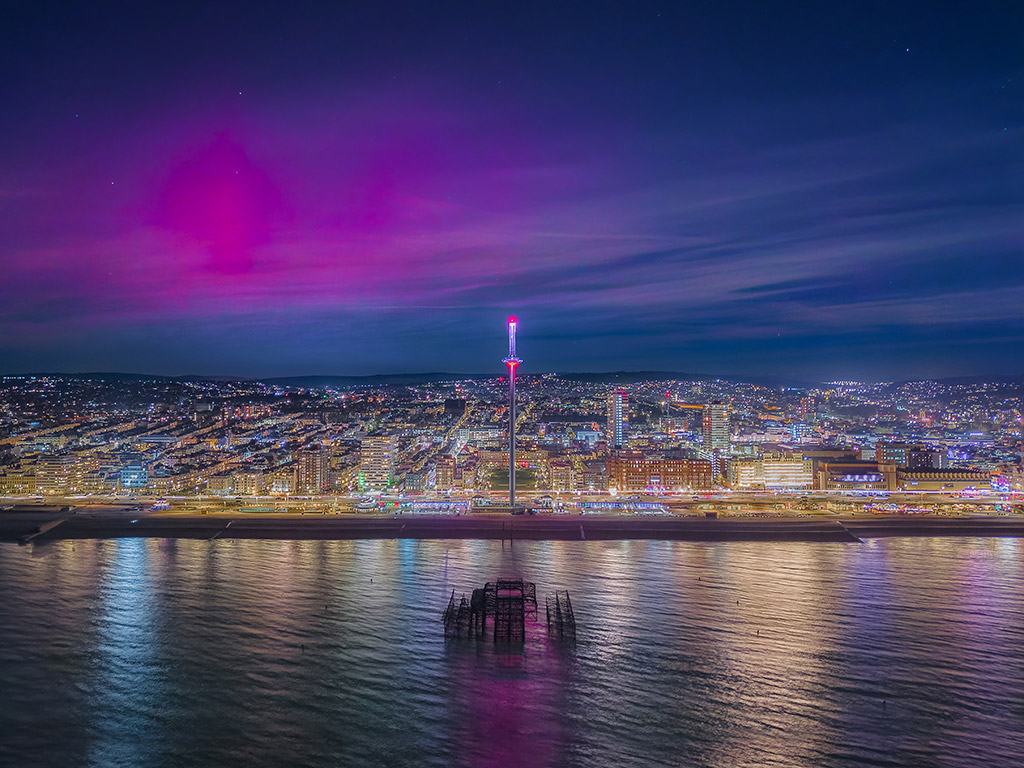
pixel 95 523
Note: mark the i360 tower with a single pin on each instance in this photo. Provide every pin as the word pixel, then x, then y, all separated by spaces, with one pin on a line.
pixel 512 361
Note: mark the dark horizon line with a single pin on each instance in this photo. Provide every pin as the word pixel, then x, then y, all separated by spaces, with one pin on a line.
pixel 435 376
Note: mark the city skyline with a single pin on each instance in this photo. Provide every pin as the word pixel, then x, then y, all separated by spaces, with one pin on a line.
pixel 746 190
pixel 148 438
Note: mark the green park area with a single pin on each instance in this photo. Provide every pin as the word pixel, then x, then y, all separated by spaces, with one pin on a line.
pixel 526 479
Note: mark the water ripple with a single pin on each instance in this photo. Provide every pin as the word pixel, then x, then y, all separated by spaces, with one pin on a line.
pixel 897 652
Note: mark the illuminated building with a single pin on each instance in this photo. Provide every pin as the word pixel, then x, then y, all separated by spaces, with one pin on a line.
pixel 17 482
pixel 312 471
pixel 563 476
pixel 594 476
pixel 948 481
pixel 632 471
pixel 800 431
pixel 453 475
pixel 221 485
pixel 618 419
pixel 247 483
pixel 525 458
pixel 417 481
pixel 716 427
pixel 773 471
pixel 445 474
pixel 377 461
pixel 909 455
pixel 281 480
pixel 587 436
pixel 479 434
pixel 133 476
pixel 746 474
pixel 820 455
pixel 856 476
pixel 58 474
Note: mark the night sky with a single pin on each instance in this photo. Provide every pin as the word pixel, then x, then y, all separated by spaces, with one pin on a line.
pixel 819 189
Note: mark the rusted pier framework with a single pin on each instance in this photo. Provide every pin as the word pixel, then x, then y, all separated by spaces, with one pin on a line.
pixel 506 602
pixel 561 620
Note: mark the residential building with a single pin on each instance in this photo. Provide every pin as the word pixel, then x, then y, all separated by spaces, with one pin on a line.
pixel 377 461
pixel 618 419
pixel 716 427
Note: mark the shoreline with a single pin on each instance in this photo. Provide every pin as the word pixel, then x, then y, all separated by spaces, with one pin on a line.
pixel 40 527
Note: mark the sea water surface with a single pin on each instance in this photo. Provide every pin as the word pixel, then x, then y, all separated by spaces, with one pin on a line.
pixel 135 652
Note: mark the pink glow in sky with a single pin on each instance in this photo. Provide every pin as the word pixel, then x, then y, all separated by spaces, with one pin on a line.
pixel 301 196
pixel 218 198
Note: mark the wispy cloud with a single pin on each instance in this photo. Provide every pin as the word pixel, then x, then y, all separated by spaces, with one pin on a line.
pixel 428 217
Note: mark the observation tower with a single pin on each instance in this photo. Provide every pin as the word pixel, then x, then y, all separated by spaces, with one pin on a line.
pixel 512 361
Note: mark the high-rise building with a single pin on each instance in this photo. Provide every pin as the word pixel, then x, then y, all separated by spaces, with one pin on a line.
pixel 716 427
pixel 618 419
pixel 312 471
pixel 444 477
pixel 377 461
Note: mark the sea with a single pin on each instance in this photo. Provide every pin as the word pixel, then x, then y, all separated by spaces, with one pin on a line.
pixel 147 652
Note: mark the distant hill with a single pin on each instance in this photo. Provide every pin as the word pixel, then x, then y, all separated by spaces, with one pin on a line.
pixel 413 379
pixel 283 381
pixel 407 379
pixel 626 377
pixel 613 377
pixel 114 376
pixel 954 380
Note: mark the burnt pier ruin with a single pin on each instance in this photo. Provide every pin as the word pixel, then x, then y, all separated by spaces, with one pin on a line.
pixel 561 621
pixel 499 610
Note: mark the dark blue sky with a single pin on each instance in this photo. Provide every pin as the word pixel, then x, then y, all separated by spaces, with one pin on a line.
pixel 824 190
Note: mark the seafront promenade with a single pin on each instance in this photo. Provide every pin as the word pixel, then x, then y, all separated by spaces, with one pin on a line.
pixel 37 526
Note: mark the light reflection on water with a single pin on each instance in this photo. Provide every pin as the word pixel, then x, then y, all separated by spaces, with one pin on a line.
pixel 141 652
